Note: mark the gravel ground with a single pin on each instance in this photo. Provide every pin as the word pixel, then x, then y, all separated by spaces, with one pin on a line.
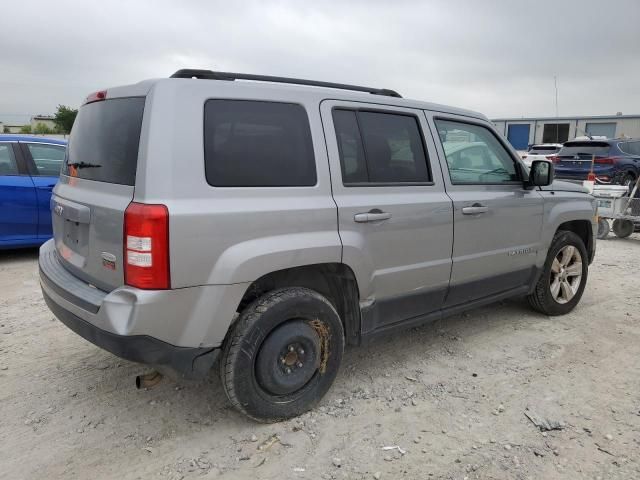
pixel 450 398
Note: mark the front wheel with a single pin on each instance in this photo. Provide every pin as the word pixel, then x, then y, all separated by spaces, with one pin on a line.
pixel 282 354
pixel 563 277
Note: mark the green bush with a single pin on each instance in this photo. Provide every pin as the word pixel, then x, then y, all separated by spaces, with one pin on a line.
pixel 42 129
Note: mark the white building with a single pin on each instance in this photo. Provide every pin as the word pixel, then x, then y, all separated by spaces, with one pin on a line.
pixel 47 120
pixel 522 132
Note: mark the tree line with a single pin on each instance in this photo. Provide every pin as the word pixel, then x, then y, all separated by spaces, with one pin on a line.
pixel 63 120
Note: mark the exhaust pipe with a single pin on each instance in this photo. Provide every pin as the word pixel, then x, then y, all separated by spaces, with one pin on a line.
pixel 148 380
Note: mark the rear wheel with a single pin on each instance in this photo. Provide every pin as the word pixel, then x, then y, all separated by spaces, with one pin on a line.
pixel 623 178
pixel 623 228
pixel 563 277
pixel 282 354
pixel 603 228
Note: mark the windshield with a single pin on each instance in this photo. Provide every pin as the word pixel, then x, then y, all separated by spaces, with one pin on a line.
pixel 104 141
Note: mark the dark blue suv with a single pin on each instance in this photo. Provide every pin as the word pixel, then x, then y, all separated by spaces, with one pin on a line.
pixel 615 161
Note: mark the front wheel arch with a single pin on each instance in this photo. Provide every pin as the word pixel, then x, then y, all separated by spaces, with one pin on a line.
pixel 541 298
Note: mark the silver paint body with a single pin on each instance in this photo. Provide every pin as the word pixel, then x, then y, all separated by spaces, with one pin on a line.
pixel 222 239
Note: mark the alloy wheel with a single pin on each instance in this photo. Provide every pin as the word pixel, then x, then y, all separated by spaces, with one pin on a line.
pixel 566 274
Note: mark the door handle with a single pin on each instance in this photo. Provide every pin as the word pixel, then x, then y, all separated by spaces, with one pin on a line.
pixel 372 216
pixel 475 209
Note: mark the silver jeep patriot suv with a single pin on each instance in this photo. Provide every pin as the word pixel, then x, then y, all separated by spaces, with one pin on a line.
pixel 266 222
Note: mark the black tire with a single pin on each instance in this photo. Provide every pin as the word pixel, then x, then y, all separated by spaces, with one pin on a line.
pixel 625 178
pixel 541 299
pixel 603 228
pixel 623 228
pixel 628 180
pixel 256 355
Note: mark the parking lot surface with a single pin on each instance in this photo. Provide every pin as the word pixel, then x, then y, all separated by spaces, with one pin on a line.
pixel 454 399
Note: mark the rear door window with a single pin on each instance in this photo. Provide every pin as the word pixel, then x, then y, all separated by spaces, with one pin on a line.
pixel 632 148
pixel 104 141
pixel 352 160
pixel 257 144
pixel 7 161
pixel 47 159
pixel 380 148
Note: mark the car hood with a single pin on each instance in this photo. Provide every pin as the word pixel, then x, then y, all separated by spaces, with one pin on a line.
pixel 561 186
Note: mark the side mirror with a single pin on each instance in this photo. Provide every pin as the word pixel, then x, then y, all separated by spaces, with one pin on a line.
pixel 541 173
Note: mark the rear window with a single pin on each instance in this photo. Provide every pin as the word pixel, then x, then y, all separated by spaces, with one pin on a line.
pixel 104 141
pixel 540 150
pixel 584 148
pixel 257 144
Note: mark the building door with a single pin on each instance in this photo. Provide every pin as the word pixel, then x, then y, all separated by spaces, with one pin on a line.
pixel 601 129
pixel 555 133
pixel 518 136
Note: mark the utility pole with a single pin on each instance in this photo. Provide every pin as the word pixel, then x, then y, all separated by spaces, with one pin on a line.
pixel 555 84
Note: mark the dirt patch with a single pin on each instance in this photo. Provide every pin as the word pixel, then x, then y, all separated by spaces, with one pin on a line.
pixel 448 398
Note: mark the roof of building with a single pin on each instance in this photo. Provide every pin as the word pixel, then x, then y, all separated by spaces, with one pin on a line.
pixel 30 138
pixel 575 117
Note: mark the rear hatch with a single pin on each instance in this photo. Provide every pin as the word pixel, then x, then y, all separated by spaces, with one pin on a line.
pixel 574 158
pixel 96 186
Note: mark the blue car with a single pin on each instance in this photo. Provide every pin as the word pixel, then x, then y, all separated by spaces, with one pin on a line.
pixel 29 169
pixel 615 161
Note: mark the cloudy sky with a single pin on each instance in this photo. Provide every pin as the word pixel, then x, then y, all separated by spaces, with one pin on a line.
pixel 498 57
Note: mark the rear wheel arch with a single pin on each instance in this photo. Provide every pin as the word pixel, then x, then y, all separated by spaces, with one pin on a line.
pixel 335 281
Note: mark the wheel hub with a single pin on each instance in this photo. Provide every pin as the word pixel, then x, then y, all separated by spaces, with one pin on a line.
pixel 293 358
pixel 288 358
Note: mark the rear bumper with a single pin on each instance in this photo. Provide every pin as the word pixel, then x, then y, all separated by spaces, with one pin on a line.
pixel 186 361
pixel 181 328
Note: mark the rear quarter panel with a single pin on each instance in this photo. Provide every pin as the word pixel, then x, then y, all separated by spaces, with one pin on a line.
pixel 233 234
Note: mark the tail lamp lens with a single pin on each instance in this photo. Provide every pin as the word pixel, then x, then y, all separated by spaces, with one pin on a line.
pixel 605 161
pixel 146 251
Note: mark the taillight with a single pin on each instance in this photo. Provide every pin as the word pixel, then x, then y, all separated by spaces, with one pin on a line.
pixel 146 246
pixel 553 158
pixel 96 96
pixel 605 161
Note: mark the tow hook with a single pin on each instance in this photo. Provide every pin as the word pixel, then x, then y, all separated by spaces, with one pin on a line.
pixel 148 380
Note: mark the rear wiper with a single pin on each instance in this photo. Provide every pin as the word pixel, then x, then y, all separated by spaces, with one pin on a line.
pixel 83 165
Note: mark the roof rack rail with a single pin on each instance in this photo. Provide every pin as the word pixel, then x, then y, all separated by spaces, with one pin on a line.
pixel 211 75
